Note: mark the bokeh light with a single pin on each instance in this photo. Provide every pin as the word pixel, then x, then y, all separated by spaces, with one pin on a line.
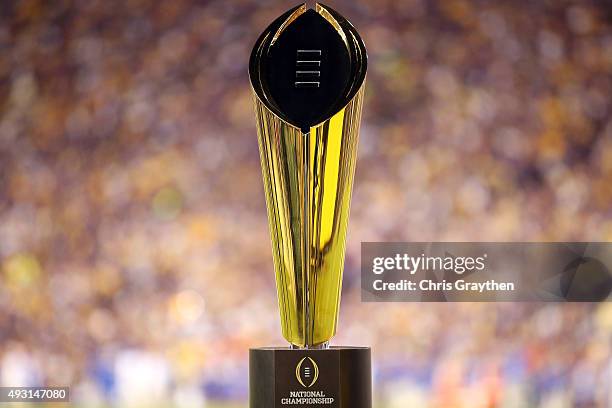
pixel 134 247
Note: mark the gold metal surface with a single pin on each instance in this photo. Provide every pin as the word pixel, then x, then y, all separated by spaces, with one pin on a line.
pixel 298 12
pixel 308 179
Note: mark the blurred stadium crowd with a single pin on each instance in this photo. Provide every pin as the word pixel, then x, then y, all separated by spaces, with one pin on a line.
pixel 135 263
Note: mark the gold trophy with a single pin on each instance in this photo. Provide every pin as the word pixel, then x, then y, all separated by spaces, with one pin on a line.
pixel 307 71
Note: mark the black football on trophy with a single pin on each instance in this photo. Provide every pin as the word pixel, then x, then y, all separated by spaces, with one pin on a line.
pixel 307 67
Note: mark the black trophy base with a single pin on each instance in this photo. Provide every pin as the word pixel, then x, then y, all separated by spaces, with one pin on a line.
pixel 338 377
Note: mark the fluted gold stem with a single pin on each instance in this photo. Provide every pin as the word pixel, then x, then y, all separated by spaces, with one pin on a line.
pixel 308 180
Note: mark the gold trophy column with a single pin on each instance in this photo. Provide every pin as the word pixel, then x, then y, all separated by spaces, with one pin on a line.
pixel 308 179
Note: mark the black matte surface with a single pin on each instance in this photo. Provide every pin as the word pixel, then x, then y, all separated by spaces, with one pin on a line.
pixel 345 374
pixel 261 377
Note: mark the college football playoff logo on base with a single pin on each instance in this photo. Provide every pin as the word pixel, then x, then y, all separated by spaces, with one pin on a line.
pixel 307 372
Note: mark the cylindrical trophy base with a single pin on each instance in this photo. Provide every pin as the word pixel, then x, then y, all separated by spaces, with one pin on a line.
pixel 338 377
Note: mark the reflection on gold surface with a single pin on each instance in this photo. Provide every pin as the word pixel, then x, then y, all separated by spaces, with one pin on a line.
pixel 308 180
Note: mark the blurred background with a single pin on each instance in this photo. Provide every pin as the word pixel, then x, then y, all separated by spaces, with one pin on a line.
pixel 135 263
